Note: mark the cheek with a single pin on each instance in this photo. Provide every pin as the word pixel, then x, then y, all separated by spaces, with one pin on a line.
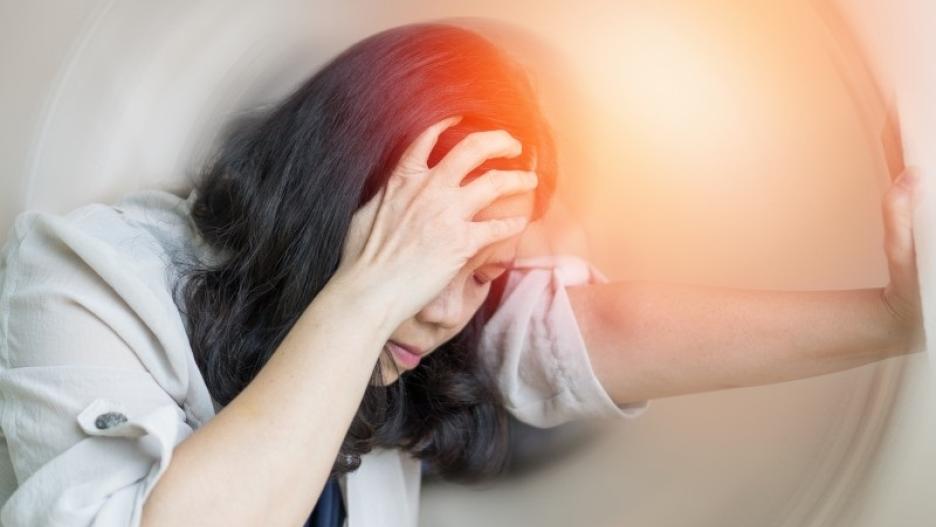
pixel 467 293
pixel 470 295
pixel 473 295
pixel 474 301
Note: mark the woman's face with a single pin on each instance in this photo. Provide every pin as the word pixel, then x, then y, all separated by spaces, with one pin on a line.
pixel 449 312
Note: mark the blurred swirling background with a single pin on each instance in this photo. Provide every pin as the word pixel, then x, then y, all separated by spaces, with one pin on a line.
pixel 729 142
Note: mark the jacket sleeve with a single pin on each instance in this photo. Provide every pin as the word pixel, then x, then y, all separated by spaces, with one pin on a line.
pixel 89 429
pixel 533 346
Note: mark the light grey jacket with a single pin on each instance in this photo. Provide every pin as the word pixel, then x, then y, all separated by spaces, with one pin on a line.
pixel 98 382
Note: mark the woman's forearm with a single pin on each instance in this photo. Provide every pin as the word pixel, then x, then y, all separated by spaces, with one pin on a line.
pixel 264 459
pixel 649 340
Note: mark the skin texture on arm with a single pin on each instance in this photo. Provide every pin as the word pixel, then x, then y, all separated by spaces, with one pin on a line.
pixel 276 441
pixel 264 459
pixel 648 340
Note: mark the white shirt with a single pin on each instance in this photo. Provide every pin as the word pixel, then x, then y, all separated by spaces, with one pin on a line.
pixel 98 382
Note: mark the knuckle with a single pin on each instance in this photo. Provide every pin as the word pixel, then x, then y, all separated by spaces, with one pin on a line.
pixel 500 227
pixel 508 139
pixel 474 141
pixel 501 136
pixel 497 181
pixel 396 181
pixel 398 178
pixel 433 130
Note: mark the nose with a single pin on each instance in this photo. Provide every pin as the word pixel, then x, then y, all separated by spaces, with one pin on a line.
pixel 444 310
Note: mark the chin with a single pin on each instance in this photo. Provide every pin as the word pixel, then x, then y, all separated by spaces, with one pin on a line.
pixel 392 381
pixel 388 370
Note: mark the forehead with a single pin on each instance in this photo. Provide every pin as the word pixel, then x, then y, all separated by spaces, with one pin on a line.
pixel 504 207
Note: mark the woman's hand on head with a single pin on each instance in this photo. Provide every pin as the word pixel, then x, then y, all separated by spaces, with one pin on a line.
pixel 901 296
pixel 417 231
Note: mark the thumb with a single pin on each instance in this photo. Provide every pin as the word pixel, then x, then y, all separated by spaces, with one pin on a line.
pixel 898 225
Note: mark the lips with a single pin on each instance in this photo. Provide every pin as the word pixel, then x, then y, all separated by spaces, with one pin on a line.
pixel 414 350
pixel 406 355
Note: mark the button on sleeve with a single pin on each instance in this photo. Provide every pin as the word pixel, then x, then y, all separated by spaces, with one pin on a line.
pixel 88 427
pixel 70 469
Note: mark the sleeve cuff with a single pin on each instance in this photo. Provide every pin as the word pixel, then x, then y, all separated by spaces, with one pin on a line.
pixel 535 348
pixel 104 479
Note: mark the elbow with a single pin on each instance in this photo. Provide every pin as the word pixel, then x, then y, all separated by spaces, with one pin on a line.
pixel 610 321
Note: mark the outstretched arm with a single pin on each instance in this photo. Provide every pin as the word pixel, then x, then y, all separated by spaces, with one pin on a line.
pixel 648 340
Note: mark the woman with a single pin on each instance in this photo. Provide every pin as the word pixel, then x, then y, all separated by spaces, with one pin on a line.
pixel 339 318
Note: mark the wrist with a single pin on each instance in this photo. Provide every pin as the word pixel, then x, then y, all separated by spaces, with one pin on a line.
pixel 351 292
pixel 899 331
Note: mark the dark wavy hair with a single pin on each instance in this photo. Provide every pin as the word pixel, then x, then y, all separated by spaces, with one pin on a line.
pixel 275 202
